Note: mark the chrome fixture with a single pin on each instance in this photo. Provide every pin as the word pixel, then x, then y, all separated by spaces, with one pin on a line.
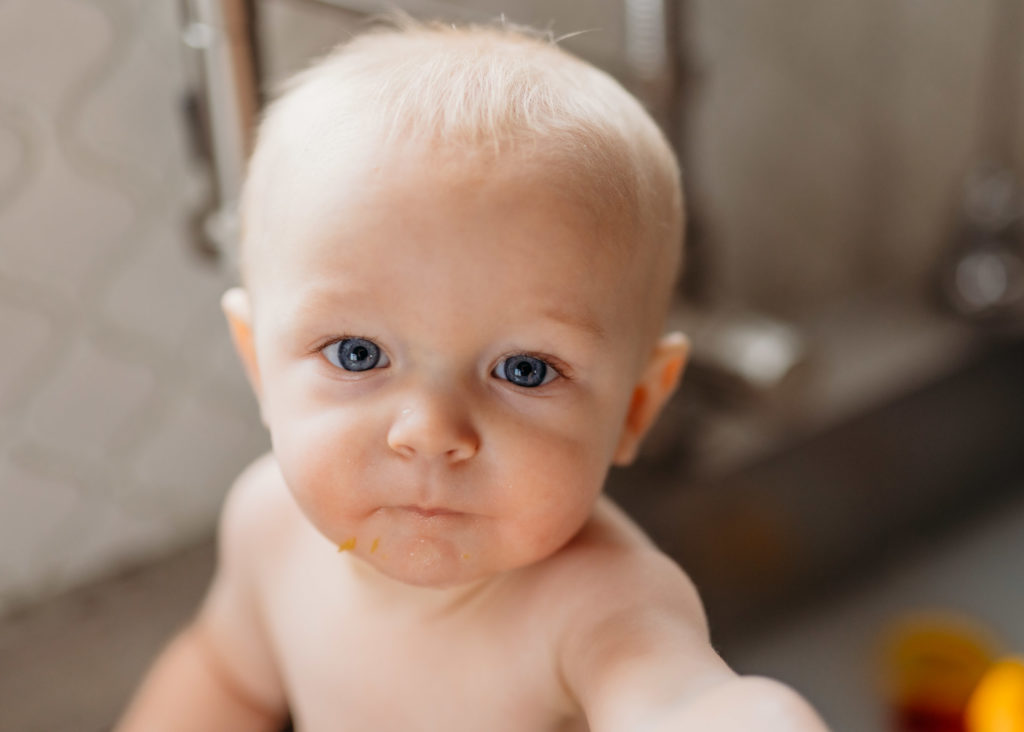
pixel 219 37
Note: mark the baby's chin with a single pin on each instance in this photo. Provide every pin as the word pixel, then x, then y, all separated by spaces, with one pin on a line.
pixel 425 561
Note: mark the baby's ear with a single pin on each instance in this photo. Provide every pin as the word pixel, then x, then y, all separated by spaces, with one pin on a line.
pixel 657 383
pixel 238 310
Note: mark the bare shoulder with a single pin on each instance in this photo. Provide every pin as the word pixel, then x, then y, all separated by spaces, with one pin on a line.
pixel 633 646
pixel 256 522
pixel 631 632
pixel 613 568
pixel 257 491
pixel 259 515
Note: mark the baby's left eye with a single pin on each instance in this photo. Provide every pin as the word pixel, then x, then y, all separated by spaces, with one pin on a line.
pixel 523 370
pixel 355 354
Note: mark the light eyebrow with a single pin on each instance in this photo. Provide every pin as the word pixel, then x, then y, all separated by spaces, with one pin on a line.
pixel 577 321
pixel 582 322
pixel 316 298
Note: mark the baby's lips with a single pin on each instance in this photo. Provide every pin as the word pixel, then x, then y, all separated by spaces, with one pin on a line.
pixel 429 512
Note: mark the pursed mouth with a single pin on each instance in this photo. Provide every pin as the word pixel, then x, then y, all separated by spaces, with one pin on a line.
pixel 427 512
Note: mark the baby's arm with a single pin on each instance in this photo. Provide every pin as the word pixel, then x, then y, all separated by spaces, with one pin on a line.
pixel 218 674
pixel 187 688
pixel 641 661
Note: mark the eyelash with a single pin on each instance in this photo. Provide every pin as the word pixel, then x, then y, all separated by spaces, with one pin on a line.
pixel 324 342
pixel 561 367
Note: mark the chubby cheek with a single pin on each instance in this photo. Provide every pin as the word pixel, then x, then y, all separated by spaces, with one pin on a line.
pixel 324 460
pixel 551 486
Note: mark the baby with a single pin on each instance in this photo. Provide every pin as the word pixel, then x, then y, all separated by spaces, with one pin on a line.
pixel 458 249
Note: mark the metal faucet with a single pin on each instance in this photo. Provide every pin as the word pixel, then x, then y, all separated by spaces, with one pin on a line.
pixel 223 60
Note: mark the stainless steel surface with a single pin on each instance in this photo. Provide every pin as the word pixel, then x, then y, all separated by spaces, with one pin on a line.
pixel 774 531
pixel 745 354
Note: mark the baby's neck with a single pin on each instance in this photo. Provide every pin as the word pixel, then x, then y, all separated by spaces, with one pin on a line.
pixel 376 587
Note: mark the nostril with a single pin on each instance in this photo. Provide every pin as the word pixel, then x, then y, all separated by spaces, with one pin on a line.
pixel 464 451
pixel 404 450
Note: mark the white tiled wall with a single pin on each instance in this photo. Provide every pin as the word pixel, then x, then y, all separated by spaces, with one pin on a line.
pixel 123 416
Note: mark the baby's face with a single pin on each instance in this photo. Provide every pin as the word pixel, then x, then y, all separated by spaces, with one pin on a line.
pixel 447 351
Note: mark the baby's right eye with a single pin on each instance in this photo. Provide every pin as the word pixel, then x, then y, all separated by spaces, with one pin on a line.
pixel 355 354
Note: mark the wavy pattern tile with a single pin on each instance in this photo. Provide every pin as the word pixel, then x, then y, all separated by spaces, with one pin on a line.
pixel 123 417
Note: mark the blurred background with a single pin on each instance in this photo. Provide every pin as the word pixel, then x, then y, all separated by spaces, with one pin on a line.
pixel 843 469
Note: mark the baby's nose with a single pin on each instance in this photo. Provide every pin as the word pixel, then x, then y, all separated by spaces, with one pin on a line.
pixel 434 426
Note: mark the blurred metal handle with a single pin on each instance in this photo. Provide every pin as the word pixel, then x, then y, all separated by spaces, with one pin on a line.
pixel 221 33
pixel 222 38
pixel 654 59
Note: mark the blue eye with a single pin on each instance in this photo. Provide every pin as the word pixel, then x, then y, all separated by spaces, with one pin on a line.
pixel 355 354
pixel 523 370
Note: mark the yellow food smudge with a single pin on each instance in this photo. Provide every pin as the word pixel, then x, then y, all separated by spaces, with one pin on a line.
pixel 376 543
pixel 465 556
pixel 350 544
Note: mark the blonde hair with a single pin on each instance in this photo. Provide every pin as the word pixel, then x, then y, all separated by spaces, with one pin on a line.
pixel 488 90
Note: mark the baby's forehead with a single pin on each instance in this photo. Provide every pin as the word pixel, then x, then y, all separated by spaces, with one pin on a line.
pixel 467 220
pixel 483 94
pixel 336 183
